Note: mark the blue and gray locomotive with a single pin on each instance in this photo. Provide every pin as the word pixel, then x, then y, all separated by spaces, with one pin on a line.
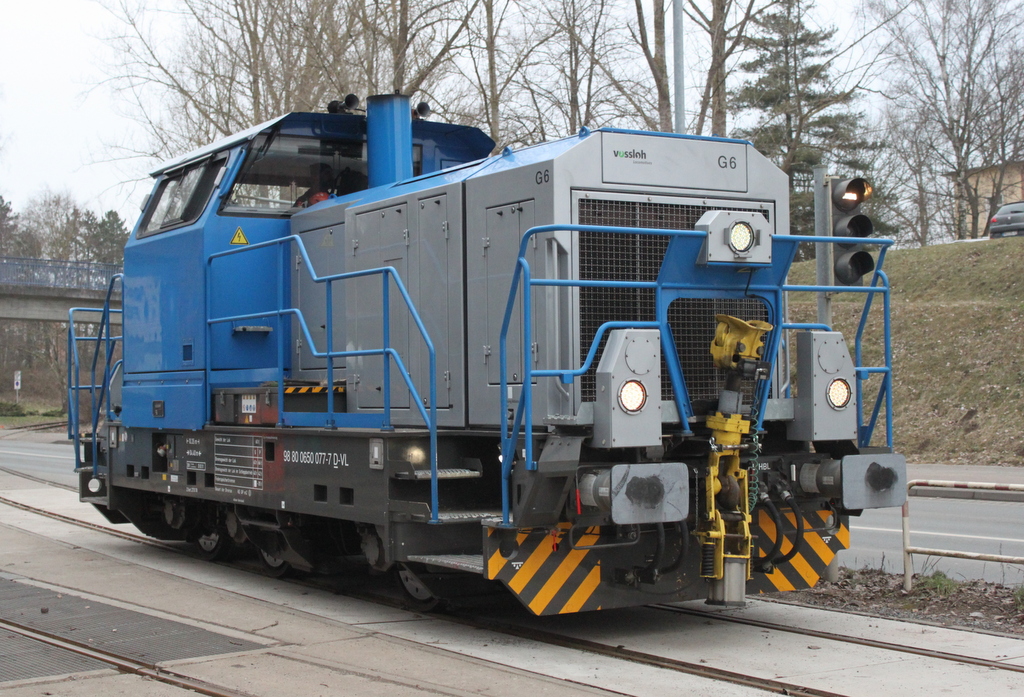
pixel 566 368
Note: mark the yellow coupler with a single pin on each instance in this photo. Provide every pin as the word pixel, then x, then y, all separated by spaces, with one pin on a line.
pixel 729 534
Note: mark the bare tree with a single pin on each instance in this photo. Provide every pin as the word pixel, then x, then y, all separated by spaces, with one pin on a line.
pixel 726 22
pixel 232 63
pixel 400 44
pixel 916 190
pixel 582 76
pixel 1004 144
pixel 950 56
pixel 57 222
pixel 484 87
pixel 655 57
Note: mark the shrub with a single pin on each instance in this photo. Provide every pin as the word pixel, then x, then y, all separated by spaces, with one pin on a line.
pixel 940 583
pixel 11 409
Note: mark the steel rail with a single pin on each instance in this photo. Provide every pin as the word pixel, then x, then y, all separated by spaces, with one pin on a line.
pixel 860 641
pixel 140 539
pixel 542 636
pixel 554 639
pixel 688 667
pixel 35 427
pixel 120 663
pixel 40 480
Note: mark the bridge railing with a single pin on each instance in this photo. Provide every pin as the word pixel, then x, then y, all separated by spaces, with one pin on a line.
pixel 56 273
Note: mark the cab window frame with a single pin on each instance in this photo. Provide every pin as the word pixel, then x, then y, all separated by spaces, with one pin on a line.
pixel 188 208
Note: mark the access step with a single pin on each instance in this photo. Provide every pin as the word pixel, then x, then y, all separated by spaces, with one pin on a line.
pixel 470 563
pixel 452 473
pixel 419 512
pixel 465 516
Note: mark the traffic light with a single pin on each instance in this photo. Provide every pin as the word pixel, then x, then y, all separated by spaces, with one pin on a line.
pixel 852 261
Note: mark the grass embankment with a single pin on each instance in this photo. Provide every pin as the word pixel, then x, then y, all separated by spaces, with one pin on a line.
pixel 28 412
pixel 958 349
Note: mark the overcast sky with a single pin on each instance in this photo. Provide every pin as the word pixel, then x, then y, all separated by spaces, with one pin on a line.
pixel 54 121
pixel 57 119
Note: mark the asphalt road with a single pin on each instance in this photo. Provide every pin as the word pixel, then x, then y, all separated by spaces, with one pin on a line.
pixel 992 527
pixel 986 527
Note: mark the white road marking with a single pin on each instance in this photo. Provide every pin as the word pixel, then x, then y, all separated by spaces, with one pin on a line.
pixel 942 534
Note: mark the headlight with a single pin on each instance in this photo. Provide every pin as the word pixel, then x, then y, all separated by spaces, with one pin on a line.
pixel 632 396
pixel 838 393
pixel 741 237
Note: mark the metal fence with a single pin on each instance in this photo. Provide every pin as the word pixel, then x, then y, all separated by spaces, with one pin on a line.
pixel 53 273
pixel 909 551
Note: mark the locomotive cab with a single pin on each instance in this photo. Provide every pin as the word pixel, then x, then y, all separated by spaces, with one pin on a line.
pixel 241 191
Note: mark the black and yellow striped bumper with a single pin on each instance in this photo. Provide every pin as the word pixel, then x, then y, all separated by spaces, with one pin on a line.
pixel 819 548
pixel 552 576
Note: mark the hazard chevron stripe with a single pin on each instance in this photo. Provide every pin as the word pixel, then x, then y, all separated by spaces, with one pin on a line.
pixel 547 574
pixel 310 390
pixel 819 548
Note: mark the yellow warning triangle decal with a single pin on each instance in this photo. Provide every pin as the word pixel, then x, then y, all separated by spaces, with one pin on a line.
pixel 239 237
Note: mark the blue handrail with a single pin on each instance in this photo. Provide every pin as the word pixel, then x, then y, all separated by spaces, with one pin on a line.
pixel 333 420
pixel 97 401
pixel 525 407
pixel 523 414
pixel 879 285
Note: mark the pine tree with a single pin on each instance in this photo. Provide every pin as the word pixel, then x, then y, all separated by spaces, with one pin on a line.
pixel 802 117
pixel 8 228
pixel 105 237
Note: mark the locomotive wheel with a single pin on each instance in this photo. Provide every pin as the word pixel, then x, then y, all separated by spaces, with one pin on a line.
pixel 418 596
pixel 214 546
pixel 275 567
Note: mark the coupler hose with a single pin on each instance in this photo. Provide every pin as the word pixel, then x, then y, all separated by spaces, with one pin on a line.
pixel 659 555
pixel 763 563
pixel 798 541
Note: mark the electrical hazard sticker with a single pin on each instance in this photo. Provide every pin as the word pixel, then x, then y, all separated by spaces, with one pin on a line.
pixel 239 237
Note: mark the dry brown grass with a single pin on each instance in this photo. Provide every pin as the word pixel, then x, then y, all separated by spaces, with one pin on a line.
pixel 958 349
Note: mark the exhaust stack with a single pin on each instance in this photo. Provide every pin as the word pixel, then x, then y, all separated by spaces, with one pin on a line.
pixel 388 139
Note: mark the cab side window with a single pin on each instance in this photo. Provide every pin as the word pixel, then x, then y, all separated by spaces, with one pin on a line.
pixel 181 197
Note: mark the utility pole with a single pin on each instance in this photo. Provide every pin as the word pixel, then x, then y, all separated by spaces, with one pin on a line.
pixel 678 64
pixel 823 252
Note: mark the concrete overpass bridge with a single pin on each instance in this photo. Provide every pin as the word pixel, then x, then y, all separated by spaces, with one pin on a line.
pixel 45 289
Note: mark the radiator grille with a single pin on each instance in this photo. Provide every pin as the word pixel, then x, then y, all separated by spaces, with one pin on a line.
pixel 607 256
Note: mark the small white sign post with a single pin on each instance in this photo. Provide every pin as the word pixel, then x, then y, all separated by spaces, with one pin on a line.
pixel 17 386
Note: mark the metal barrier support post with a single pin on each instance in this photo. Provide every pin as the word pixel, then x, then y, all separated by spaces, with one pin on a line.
pixel 909 552
pixel 908 560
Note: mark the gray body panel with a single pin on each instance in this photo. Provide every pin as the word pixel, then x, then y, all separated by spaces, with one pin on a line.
pixel 540 185
pixel 822 357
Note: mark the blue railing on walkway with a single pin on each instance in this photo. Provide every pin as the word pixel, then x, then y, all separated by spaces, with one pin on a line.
pixel 99 389
pixel 55 273
pixel 333 419
pixel 522 418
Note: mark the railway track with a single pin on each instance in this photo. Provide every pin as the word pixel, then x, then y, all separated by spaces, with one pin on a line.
pixel 831 636
pixel 120 663
pixel 33 427
pixel 478 621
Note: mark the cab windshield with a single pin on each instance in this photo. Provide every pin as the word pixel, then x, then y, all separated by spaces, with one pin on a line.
pixel 283 174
